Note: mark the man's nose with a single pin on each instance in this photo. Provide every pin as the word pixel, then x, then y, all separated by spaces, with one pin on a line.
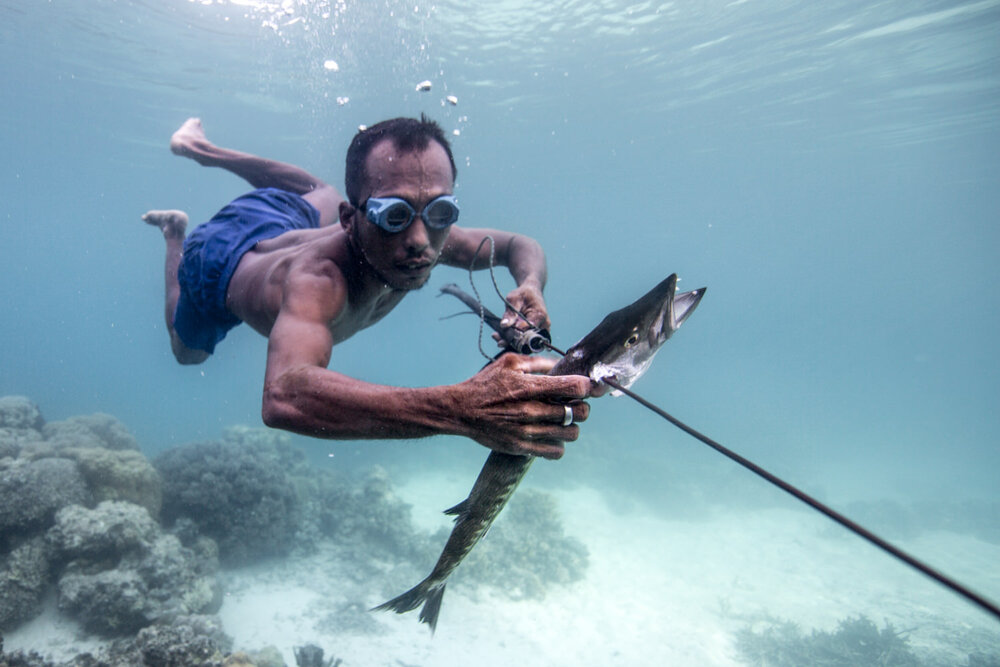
pixel 417 238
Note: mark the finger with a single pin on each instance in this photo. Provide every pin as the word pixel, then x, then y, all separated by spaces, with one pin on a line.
pixel 552 450
pixel 548 441
pixel 549 432
pixel 562 388
pixel 547 414
pixel 536 317
pixel 526 364
pixel 577 411
pixel 512 319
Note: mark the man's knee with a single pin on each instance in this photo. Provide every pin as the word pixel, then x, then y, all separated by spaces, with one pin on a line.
pixel 184 354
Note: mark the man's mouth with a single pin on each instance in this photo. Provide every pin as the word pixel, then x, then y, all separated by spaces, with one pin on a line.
pixel 416 266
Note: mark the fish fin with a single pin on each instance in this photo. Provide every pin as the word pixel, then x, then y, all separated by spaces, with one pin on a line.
pixel 425 593
pixel 458 510
pixel 429 614
pixel 409 600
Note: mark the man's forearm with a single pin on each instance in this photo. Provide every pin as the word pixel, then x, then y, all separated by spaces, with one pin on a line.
pixel 325 404
pixel 525 260
pixel 506 406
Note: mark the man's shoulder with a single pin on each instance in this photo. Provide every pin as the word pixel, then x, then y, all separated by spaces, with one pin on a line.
pixel 322 257
pixel 302 264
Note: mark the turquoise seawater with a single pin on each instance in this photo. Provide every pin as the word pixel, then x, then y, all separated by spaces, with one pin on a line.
pixel 828 170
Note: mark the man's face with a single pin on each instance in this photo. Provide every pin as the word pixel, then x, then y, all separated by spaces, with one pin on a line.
pixel 404 259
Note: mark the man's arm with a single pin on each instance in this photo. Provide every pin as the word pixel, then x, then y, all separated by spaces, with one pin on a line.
pixel 505 406
pixel 522 256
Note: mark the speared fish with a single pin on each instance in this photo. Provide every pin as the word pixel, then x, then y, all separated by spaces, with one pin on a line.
pixel 620 349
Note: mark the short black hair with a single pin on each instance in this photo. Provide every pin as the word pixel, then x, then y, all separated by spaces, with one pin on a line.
pixel 406 134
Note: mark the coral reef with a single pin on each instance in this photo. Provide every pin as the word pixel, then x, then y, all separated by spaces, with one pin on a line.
pixel 368 515
pixel 103 533
pixel 50 473
pixel 97 430
pixel 186 641
pixel 311 655
pixel 24 576
pixel 80 517
pixel 118 475
pixel 235 491
pixel 32 491
pixel 195 641
pixel 18 413
pixel 82 460
pixel 21 422
pixel 526 551
pixel 123 573
pixel 856 642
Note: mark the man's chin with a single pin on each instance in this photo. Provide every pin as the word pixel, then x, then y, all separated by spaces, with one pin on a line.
pixel 410 281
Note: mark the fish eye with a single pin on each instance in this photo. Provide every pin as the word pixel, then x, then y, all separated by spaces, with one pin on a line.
pixel 632 340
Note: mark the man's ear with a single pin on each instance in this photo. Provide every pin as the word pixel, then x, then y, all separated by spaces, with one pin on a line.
pixel 346 213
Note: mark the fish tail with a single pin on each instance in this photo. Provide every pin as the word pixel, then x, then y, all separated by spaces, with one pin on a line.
pixel 426 593
pixel 432 607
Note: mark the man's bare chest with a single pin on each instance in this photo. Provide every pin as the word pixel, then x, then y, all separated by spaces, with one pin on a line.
pixel 362 314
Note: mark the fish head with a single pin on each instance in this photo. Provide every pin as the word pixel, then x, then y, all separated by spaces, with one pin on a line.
pixel 623 345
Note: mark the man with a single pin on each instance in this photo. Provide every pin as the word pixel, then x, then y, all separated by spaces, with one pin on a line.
pixel 277 260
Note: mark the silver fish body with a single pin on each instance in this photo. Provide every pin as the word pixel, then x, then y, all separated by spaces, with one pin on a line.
pixel 473 517
pixel 622 346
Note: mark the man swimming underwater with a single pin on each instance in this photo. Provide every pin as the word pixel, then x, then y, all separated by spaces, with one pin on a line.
pixel 308 270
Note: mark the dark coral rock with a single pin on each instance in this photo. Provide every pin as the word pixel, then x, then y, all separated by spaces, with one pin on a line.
pixel 32 491
pixel 22 659
pixel 191 641
pixel 20 423
pixel 124 573
pixel 97 430
pixel 118 475
pixel 109 602
pixel 237 494
pixel 18 412
pixel 185 641
pixel 109 531
pixel 311 655
pixel 24 576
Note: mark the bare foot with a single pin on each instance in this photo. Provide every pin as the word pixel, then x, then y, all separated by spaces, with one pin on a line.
pixel 189 140
pixel 172 223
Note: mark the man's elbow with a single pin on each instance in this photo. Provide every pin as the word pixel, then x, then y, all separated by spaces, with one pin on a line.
pixel 278 410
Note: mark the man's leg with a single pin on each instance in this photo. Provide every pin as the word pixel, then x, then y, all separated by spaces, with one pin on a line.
pixel 173 224
pixel 190 141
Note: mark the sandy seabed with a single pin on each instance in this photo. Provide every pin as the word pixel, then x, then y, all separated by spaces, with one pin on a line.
pixel 657 592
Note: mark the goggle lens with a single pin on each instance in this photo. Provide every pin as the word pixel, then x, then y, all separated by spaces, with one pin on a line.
pixel 440 213
pixel 398 215
pixel 394 215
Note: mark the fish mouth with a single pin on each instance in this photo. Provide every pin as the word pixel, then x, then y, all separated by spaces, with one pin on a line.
pixel 682 305
pixel 669 310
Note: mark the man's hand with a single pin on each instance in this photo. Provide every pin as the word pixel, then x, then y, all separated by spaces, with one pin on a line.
pixel 527 299
pixel 509 409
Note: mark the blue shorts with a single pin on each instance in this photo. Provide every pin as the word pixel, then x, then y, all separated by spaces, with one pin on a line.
pixel 214 249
